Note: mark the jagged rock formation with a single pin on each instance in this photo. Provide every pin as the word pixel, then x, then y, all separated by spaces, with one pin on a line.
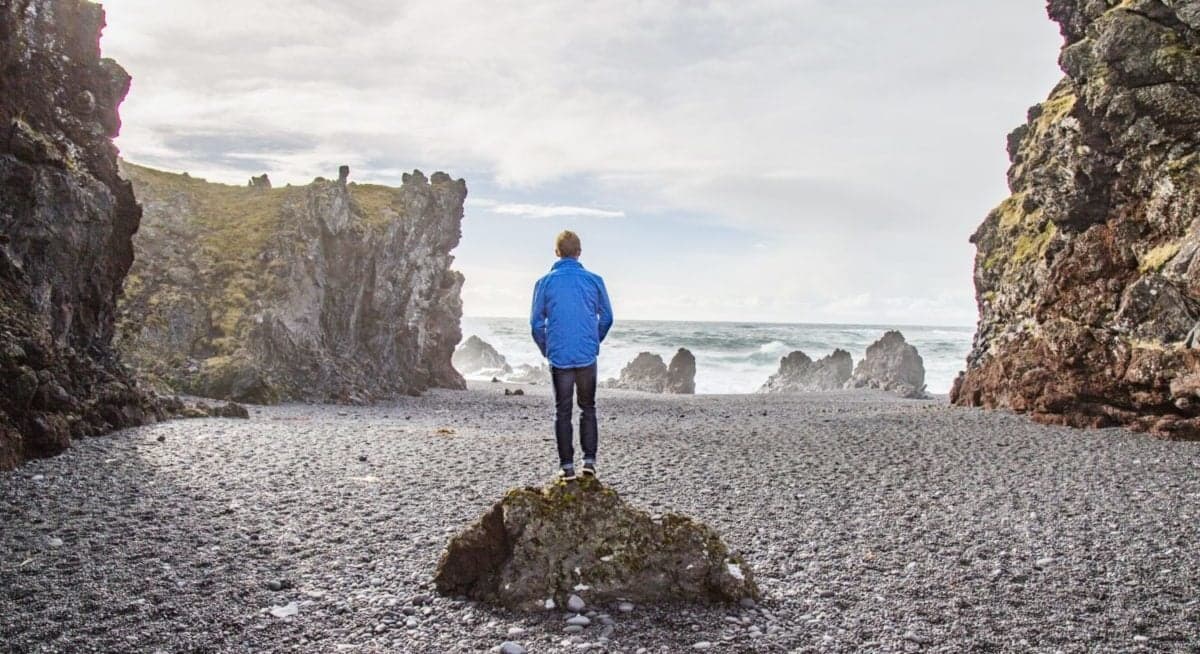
pixel 800 374
pixel 66 220
pixel 581 538
pixel 476 355
pixel 892 365
pixel 648 373
pixel 1087 278
pixel 333 291
pixel 681 373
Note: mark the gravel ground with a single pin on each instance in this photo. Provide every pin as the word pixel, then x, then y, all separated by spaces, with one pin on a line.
pixel 873 524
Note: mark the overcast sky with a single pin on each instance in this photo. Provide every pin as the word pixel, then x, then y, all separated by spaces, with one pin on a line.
pixel 790 161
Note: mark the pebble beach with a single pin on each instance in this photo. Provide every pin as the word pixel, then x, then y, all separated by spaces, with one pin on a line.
pixel 872 524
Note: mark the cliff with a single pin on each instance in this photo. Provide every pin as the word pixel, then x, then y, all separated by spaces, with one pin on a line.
pixel 66 222
pixel 1087 277
pixel 334 291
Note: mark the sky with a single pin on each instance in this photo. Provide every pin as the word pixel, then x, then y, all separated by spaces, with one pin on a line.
pixel 759 160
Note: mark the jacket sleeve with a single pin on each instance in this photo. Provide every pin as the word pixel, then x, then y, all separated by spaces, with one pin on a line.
pixel 605 312
pixel 537 316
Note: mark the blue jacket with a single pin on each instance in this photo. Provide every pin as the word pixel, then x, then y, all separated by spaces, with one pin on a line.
pixel 571 314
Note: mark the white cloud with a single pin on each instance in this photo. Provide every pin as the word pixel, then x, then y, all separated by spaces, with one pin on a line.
pixel 863 141
pixel 541 210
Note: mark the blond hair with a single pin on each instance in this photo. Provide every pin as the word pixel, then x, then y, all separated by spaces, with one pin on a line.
pixel 567 245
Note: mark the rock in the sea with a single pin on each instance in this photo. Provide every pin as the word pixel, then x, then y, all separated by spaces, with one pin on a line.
pixel 681 373
pixel 476 355
pixel 333 291
pixel 527 374
pixel 66 224
pixel 892 365
pixel 800 374
pixel 1088 277
pixel 648 373
pixel 580 538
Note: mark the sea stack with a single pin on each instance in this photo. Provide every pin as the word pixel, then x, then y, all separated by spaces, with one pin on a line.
pixel 891 364
pixel 66 225
pixel 1087 277
pixel 800 374
pixel 332 292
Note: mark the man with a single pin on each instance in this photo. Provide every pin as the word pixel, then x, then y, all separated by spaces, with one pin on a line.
pixel 571 315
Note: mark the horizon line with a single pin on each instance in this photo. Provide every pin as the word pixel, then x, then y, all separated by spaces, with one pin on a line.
pixel 762 322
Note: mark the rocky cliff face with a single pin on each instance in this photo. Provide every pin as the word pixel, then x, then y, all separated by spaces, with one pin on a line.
pixel 333 291
pixel 1088 277
pixel 66 220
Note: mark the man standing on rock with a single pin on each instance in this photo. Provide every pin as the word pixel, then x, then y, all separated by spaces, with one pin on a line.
pixel 571 316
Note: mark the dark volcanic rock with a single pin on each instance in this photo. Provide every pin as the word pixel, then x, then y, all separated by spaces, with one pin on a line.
pixel 66 221
pixel 1087 278
pixel 333 291
pixel 477 355
pixel 800 374
pixel 681 373
pixel 648 373
pixel 581 538
pixel 891 365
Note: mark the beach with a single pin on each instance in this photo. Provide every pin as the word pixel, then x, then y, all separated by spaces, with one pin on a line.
pixel 871 523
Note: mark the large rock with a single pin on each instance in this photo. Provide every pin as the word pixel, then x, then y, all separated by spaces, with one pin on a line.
pixel 892 365
pixel 333 291
pixel 581 538
pixel 66 222
pixel 800 374
pixel 1087 277
pixel 681 373
pixel 476 355
pixel 648 373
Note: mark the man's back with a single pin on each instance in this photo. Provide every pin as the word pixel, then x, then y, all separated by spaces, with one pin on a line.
pixel 571 314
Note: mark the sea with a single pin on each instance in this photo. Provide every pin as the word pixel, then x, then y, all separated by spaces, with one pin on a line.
pixel 736 357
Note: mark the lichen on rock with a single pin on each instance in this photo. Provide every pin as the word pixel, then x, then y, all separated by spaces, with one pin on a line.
pixel 1087 278
pixel 334 291
pixel 580 538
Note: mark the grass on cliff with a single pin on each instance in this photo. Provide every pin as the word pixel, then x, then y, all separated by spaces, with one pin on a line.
pixel 233 228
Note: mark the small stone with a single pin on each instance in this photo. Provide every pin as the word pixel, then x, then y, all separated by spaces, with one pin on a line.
pixel 275 585
pixel 581 620
pixel 573 629
pixel 509 647
pixel 747 603
pixel 54 542
pixel 286 611
pixel 1044 561
pixel 575 603
pixel 412 622
pixel 362 457
pixel 515 632
pixel 704 644
pixel 550 605
pixel 161 438
pixel 625 607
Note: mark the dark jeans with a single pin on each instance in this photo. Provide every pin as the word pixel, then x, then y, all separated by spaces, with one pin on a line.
pixel 583 382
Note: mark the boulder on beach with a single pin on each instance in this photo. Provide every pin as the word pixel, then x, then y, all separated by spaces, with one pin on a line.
pixel 681 373
pixel 892 365
pixel 648 373
pixel 800 374
pixel 476 355
pixel 527 374
pixel 580 538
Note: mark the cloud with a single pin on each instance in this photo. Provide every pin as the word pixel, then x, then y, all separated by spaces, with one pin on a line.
pixel 541 210
pixel 863 141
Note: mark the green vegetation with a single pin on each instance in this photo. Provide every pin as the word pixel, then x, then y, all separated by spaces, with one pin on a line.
pixel 1154 260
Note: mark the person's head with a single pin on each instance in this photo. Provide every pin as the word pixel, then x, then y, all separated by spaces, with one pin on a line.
pixel 567 245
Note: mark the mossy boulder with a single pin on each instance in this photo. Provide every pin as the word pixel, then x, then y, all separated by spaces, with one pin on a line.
pixel 581 538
